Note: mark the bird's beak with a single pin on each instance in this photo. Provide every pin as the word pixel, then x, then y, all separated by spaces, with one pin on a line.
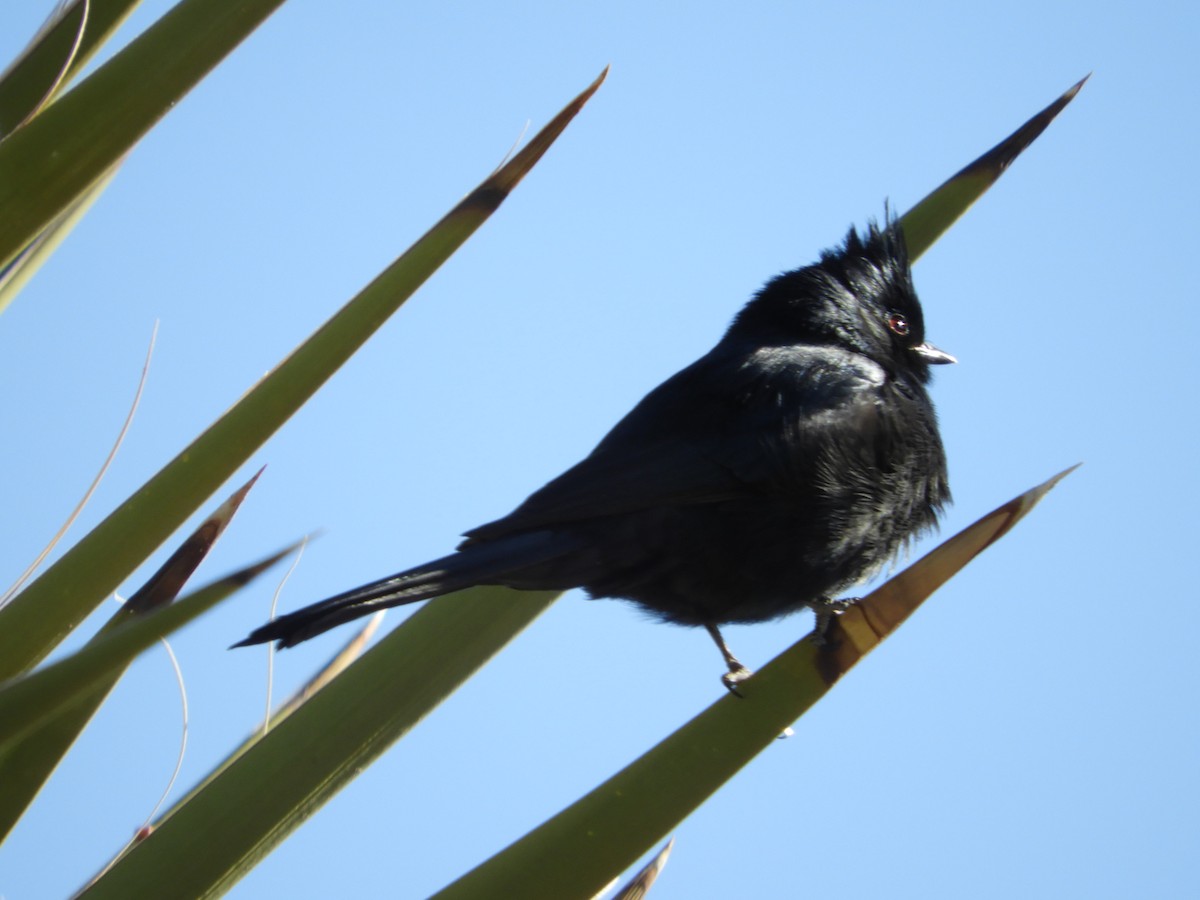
pixel 933 355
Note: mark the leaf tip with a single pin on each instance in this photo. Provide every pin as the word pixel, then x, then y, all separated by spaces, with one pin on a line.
pixel 1050 483
pixel 235 500
pixel 1074 89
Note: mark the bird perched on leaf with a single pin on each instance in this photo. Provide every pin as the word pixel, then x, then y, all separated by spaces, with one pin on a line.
pixel 792 461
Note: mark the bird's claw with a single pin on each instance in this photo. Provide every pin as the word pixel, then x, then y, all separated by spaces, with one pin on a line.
pixel 826 611
pixel 735 677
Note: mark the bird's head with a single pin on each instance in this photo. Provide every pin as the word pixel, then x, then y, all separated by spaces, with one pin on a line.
pixel 859 297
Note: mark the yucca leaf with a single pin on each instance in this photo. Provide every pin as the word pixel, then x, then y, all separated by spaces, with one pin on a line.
pixel 925 222
pixel 30 700
pixel 60 153
pixel 33 77
pixel 25 765
pixel 25 264
pixel 578 851
pixel 220 831
pixel 45 612
pixel 55 54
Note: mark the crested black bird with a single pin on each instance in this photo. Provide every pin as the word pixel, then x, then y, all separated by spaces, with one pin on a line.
pixel 792 461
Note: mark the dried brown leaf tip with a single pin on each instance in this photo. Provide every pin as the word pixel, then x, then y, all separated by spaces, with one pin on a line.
pixel 165 584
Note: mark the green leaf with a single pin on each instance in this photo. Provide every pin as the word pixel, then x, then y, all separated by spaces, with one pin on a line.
pixel 45 66
pixel 53 159
pixel 26 765
pixel 925 222
pixel 30 700
pixel 57 52
pixel 578 851
pixel 31 80
pixel 26 263
pixel 203 846
pixel 45 612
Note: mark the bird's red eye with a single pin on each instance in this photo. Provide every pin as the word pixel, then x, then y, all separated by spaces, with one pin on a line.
pixel 898 324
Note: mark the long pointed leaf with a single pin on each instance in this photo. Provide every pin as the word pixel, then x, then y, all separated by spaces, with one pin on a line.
pixel 48 163
pixel 208 842
pixel 31 80
pixel 45 612
pixel 56 53
pixel 30 700
pixel 25 264
pixel 578 851
pixel 925 222
pixel 26 765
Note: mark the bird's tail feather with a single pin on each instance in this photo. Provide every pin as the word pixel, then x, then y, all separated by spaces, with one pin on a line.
pixel 493 562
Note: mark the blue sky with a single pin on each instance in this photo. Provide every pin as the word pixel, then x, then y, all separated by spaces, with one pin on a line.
pixel 1030 732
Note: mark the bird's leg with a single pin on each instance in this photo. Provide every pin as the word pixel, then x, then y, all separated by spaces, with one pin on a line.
pixel 826 610
pixel 737 672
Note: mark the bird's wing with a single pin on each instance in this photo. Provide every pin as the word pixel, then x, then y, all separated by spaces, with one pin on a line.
pixel 727 426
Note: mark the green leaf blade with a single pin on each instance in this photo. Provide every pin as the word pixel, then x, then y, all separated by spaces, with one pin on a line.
pixel 929 219
pixel 26 765
pixel 45 612
pixel 29 701
pixel 63 151
pixel 576 853
pixel 55 55
pixel 220 831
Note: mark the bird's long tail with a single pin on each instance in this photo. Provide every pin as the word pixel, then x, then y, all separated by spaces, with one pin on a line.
pixel 492 562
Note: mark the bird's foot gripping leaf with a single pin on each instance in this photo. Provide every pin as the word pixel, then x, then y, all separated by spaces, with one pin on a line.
pixel 737 672
pixel 826 610
pixel 734 677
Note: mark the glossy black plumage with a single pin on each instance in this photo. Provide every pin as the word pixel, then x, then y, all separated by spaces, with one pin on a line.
pixel 790 462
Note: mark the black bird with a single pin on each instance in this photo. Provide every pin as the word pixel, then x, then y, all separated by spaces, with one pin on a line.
pixel 793 460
